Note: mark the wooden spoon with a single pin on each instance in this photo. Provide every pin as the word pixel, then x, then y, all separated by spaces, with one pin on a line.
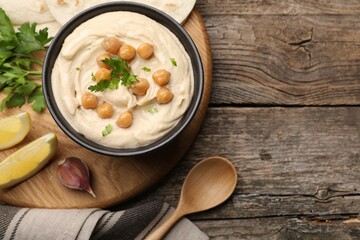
pixel 207 185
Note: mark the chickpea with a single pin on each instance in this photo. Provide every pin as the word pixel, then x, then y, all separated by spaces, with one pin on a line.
pixel 125 120
pixel 100 58
pixel 145 50
pixel 102 74
pixel 139 88
pixel 164 96
pixel 89 100
pixel 105 110
pixel 127 52
pixel 111 44
pixel 161 77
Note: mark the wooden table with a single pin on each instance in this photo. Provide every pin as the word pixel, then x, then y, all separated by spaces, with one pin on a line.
pixel 285 110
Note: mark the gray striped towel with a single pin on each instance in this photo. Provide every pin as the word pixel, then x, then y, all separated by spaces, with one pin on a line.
pixel 135 223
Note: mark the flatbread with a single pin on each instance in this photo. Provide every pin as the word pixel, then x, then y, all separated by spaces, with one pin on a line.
pixel 55 13
pixel 64 10
pixel 20 11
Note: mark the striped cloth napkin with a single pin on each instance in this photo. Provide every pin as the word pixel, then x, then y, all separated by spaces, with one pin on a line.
pixel 135 223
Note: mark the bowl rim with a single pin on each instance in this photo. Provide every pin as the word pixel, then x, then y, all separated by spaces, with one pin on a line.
pixel 114 7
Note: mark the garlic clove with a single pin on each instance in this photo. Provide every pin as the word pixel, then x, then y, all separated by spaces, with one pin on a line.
pixel 73 173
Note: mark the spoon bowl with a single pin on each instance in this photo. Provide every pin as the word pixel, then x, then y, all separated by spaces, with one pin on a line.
pixel 207 185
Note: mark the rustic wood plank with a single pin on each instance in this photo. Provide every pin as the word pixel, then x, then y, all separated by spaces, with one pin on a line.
pixel 276 7
pixel 265 55
pixel 245 206
pixel 292 162
pixel 282 228
pixel 297 166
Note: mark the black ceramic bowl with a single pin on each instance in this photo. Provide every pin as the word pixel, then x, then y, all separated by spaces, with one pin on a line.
pixel 159 17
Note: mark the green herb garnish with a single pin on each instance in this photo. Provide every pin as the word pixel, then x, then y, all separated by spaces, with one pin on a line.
pixel 78 69
pixel 153 110
pixel 120 73
pixel 146 69
pixel 93 77
pixel 173 61
pixel 16 58
pixel 107 130
pixel 105 84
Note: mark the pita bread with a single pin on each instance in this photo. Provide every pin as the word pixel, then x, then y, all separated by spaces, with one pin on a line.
pixel 20 11
pixel 55 13
pixel 64 10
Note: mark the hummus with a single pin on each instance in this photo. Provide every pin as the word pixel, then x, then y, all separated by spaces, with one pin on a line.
pixel 76 63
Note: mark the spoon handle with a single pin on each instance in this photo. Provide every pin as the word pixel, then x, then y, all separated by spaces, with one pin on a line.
pixel 161 231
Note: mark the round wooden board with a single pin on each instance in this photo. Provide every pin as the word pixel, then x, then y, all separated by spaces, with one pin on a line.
pixel 114 180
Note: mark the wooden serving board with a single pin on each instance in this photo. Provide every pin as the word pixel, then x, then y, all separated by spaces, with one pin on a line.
pixel 114 180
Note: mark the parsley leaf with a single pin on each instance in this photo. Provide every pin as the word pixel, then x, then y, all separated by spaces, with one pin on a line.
pixel 4 102
pixel 16 100
pixel 128 79
pixel 43 36
pixel 173 61
pixel 118 66
pixel 16 59
pixel 104 84
pixel 30 39
pixel 107 130
pixel 7 33
pixel 146 69
pixel 120 73
pixel 38 100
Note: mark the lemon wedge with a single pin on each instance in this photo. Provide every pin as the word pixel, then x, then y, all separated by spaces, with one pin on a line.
pixel 27 161
pixel 14 129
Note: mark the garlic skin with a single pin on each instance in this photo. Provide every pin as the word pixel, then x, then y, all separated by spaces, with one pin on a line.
pixel 73 173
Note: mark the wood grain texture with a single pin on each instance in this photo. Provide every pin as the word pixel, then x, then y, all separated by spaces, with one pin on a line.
pixel 284 52
pixel 280 228
pixel 298 167
pixel 114 180
pixel 275 7
pixel 292 163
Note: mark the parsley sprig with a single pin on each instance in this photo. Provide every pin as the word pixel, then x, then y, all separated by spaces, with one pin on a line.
pixel 105 84
pixel 120 73
pixel 16 60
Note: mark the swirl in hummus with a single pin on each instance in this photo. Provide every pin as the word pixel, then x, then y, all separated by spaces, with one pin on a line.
pixel 76 63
